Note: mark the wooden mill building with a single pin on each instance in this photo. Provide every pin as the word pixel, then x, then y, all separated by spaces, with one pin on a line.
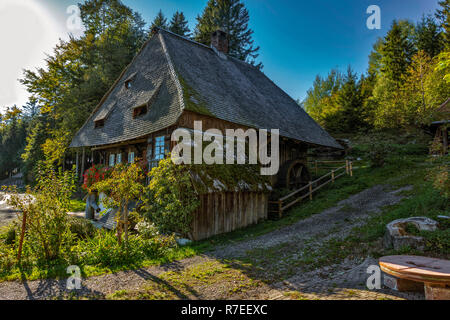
pixel 174 81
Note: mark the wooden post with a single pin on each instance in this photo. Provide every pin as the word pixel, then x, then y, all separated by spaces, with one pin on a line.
pixel 77 165
pixel 316 168
pixel 332 176
pixel 351 169
pixel 310 191
pixel 83 160
pixel 445 139
pixel 280 209
pixel 347 167
pixel 22 235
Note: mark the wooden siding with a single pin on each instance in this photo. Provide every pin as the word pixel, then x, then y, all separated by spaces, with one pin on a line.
pixel 225 212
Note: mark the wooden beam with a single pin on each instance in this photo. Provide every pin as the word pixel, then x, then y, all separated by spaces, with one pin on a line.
pixel 83 160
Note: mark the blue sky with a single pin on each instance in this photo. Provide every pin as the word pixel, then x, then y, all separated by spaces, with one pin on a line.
pixel 298 39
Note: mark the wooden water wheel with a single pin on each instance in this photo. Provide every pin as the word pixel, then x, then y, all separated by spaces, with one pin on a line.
pixel 293 175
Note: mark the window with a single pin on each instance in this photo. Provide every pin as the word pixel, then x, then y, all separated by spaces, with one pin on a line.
pixel 138 111
pixel 129 80
pixel 112 160
pixel 119 158
pixel 160 151
pixel 130 157
pixel 99 123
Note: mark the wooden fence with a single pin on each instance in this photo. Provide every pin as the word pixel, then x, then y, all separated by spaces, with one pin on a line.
pixel 308 190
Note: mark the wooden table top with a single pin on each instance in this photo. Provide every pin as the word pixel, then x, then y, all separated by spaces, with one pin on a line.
pixel 416 268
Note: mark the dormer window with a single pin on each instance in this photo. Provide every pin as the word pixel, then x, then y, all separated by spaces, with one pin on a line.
pixel 99 123
pixel 139 111
pixel 129 80
pixel 103 114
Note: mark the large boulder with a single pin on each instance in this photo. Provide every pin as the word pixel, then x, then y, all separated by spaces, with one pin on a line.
pixel 397 237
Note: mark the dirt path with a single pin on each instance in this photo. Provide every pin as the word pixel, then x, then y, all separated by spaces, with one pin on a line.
pixel 7 214
pixel 267 267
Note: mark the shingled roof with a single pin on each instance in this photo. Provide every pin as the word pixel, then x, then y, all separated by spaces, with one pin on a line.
pixel 172 74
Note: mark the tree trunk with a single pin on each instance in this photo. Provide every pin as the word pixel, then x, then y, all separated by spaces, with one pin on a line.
pixel 22 235
pixel 119 226
pixel 125 213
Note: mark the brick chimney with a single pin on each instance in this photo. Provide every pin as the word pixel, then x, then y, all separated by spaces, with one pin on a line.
pixel 219 40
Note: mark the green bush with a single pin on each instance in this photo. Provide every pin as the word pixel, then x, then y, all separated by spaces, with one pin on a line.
pixel 105 250
pixel 8 234
pixel 7 257
pixel 81 228
pixel 437 241
pixel 47 229
pixel 170 199
pixel 378 154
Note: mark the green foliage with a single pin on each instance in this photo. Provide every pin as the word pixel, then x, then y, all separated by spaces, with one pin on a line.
pixel 81 228
pixel 405 82
pixel 441 180
pixel 429 37
pixel 170 199
pixel 160 21
pixel 377 155
pixel 233 18
pixel 47 232
pixel 12 140
pixel 443 15
pixel 123 185
pixel 179 24
pixel 104 249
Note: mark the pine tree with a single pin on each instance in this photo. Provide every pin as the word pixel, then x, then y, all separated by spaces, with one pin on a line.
pixel 443 15
pixel 160 21
pixel 429 37
pixel 232 17
pixel 179 25
pixel 349 102
pixel 397 52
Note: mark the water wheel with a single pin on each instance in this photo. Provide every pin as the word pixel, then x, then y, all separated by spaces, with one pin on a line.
pixel 293 175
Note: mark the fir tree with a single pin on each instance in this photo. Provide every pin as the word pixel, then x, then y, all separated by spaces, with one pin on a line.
pixel 232 17
pixel 443 15
pixel 160 21
pixel 179 25
pixel 397 52
pixel 429 37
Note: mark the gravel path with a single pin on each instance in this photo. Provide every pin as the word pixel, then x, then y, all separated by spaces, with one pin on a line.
pixel 335 222
pixel 7 214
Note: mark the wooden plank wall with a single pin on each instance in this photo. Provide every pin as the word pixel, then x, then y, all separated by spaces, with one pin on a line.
pixel 224 212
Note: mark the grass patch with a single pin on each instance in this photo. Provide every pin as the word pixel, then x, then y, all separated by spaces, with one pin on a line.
pixel 197 281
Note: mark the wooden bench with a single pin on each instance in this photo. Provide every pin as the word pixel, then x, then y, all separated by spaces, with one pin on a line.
pixel 413 273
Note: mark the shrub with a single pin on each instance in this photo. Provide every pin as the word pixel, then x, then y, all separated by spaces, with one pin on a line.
pixel 81 228
pixel 378 154
pixel 47 230
pixel 94 175
pixel 437 241
pixel 7 257
pixel 105 250
pixel 124 185
pixel 170 200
